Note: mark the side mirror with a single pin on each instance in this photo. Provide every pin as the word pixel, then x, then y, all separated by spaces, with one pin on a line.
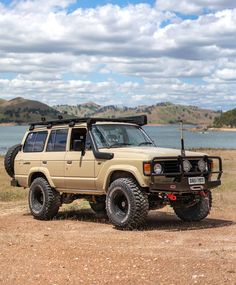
pixel 78 145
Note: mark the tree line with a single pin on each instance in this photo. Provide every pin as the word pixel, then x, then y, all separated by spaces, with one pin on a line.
pixel 226 119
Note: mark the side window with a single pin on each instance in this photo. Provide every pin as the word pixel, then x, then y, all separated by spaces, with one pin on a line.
pixel 35 142
pixel 78 134
pixel 57 140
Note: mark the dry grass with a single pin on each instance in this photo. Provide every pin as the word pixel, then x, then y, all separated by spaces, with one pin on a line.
pixel 8 193
pixel 225 195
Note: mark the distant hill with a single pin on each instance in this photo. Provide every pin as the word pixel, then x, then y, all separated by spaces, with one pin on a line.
pixel 226 119
pixel 20 110
pixel 2 101
pixel 161 113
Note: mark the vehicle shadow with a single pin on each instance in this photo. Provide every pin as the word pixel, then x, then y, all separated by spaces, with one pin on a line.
pixel 86 215
pixel 156 221
pixel 169 222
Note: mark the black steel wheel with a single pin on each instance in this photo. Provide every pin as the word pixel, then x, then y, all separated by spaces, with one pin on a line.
pixel 99 207
pixel 126 204
pixel 44 201
pixel 197 211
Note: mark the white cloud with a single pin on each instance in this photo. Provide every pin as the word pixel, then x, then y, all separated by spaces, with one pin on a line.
pixel 104 53
pixel 194 7
pixel 226 74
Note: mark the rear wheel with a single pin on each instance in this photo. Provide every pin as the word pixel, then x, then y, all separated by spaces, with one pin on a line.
pixel 44 201
pixel 126 204
pixel 99 207
pixel 197 211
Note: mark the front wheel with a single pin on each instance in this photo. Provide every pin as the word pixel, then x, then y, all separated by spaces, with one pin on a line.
pixel 126 204
pixel 197 211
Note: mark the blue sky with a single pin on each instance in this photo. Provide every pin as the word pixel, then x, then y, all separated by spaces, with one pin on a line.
pixel 119 52
pixel 122 3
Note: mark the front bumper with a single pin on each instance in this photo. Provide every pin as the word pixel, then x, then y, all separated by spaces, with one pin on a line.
pixel 182 186
pixel 180 182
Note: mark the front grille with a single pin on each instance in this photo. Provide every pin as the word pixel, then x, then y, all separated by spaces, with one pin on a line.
pixel 170 166
pixel 173 166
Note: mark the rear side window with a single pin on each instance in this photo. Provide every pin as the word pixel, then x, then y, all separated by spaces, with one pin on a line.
pixel 35 141
pixel 57 140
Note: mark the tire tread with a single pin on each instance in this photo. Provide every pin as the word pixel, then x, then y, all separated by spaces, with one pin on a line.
pixel 196 212
pixel 138 213
pixel 52 201
pixel 9 159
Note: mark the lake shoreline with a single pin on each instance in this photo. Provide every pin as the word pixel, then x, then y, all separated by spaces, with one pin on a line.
pixel 222 129
pixel 203 130
pixel 9 124
pixel 165 136
pixel 194 129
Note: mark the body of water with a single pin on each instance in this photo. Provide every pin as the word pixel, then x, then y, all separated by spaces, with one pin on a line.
pixel 164 136
pixel 169 136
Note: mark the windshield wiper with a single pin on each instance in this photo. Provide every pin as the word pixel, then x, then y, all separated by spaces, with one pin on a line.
pixel 118 144
pixel 145 143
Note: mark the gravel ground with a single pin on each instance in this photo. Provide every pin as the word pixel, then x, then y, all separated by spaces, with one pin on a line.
pixel 78 248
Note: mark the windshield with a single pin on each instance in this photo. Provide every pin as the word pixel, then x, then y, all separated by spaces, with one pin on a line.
pixel 109 136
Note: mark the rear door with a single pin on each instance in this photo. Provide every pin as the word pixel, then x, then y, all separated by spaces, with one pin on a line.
pixel 54 156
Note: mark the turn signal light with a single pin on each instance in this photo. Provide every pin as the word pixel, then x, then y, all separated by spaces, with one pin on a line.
pixel 147 168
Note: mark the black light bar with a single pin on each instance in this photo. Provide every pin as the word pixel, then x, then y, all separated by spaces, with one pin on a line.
pixel 137 120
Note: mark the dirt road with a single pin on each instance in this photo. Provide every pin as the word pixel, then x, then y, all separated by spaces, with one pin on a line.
pixel 78 248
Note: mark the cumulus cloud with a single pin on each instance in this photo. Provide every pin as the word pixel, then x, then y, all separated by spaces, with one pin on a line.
pixel 103 54
pixel 194 7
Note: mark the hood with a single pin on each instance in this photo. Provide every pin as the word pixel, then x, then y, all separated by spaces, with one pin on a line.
pixel 147 153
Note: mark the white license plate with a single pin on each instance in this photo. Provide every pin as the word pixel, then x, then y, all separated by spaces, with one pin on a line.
pixel 196 180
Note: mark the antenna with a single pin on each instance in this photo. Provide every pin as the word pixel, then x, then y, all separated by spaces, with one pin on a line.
pixel 182 138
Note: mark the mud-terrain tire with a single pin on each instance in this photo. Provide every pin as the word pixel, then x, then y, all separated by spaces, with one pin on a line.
pixel 9 159
pixel 126 204
pixel 44 201
pixel 196 212
pixel 99 208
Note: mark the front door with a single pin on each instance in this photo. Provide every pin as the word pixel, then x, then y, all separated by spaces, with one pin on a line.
pixel 79 169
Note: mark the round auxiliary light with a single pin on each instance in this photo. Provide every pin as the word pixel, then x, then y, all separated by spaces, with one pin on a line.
pixel 157 168
pixel 187 165
pixel 202 165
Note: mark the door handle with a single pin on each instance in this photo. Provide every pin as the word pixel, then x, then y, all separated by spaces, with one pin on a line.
pixel 69 161
pixel 27 162
pixel 44 162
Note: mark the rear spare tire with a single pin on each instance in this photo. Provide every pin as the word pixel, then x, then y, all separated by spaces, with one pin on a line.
pixel 44 201
pixel 9 159
pixel 126 204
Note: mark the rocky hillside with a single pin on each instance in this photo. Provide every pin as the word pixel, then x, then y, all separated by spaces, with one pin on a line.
pixel 161 113
pixel 20 110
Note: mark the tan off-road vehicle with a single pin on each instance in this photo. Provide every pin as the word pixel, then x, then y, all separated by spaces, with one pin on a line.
pixel 115 166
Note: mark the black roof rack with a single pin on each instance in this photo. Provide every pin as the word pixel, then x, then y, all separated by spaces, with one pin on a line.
pixel 137 120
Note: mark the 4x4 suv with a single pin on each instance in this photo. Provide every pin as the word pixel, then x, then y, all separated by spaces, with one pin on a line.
pixel 115 166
